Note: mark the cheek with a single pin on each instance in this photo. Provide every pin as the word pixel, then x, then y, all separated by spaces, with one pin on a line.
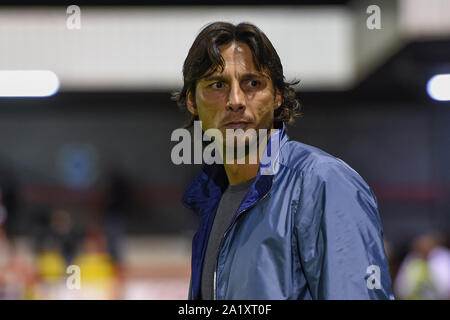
pixel 210 96
pixel 267 119
pixel 265 112
pixel 266 106
pixel 208 114
pixel 213 96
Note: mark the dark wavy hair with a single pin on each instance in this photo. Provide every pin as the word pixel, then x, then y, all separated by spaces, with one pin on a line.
pixel 204 59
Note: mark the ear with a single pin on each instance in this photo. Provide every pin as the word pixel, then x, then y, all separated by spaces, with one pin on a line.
pixel 192 107
pixel 278 99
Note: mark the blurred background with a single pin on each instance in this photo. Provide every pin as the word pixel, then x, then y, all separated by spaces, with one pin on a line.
pixel 86 176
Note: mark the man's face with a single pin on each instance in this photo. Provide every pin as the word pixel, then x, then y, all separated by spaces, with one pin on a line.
pixel 239 97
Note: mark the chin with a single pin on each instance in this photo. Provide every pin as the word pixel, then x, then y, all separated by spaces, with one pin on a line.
pixel 246 141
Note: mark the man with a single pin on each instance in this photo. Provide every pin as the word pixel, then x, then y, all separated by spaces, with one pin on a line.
pixel 309 227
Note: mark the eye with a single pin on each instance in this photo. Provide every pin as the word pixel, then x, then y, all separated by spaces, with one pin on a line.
pixel 217 85
pixel 254 83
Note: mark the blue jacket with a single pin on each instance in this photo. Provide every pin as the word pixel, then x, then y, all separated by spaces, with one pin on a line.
pixel 309 230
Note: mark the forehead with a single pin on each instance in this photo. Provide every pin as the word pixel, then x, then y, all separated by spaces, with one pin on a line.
pixel 238 59
pixel 237 54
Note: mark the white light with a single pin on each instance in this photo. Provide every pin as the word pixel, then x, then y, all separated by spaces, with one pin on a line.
pixel 438 87
pixel 28 83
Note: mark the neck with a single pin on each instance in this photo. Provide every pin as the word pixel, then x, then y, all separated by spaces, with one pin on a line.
pixel 240 173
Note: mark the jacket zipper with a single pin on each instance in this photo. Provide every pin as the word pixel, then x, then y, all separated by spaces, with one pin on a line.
pixel 226 232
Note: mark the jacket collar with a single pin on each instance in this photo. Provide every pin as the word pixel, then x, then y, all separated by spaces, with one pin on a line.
pixel 209 185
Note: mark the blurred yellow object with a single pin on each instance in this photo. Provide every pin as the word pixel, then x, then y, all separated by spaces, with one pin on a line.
pixel 97 275
pixel 418 275
pixel 51 266
pixel 95 267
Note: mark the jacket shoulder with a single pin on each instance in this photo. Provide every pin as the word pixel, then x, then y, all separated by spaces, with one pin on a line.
pixel 317 166
pixel 302 157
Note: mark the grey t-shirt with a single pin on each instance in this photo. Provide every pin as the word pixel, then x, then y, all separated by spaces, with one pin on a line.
pixel 229 203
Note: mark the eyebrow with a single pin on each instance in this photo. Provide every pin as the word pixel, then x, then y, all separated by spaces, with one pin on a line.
pixel 245 76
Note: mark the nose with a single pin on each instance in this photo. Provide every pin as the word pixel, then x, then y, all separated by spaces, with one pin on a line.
pixel 236 98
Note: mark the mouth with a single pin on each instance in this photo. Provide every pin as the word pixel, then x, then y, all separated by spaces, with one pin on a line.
pixel 236 125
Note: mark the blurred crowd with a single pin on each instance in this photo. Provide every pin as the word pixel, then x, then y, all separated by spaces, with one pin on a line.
pixel 424 273
pixel 39 270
